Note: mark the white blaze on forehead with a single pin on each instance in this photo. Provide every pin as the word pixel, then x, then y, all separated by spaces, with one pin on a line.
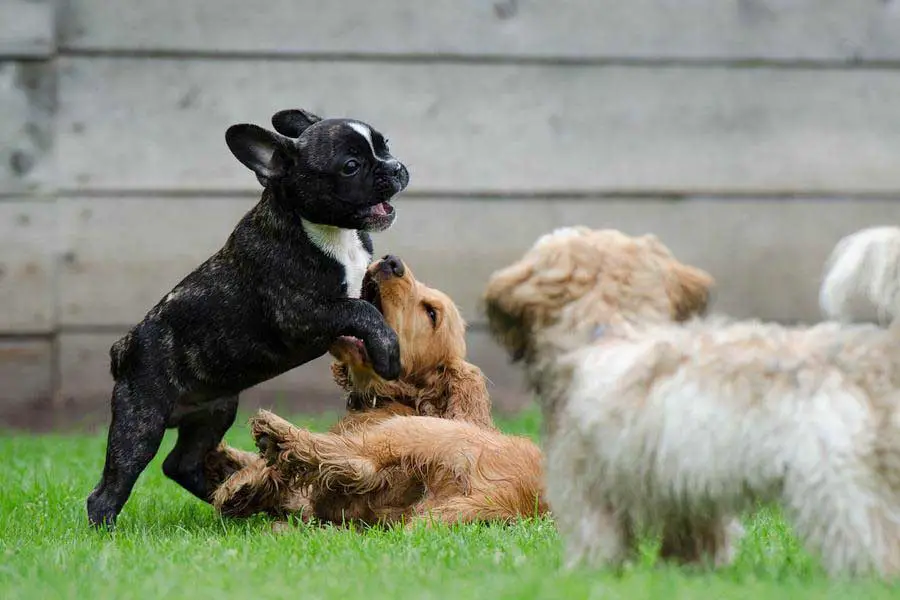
pixel 365 131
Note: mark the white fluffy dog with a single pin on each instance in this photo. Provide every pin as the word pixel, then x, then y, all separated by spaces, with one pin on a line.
pixel 680 427
pixel 862 278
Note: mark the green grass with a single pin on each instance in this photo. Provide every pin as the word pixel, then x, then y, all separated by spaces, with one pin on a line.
pixel 170 545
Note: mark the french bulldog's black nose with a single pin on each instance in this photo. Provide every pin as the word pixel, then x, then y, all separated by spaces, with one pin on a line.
pixel 391 265
pixel 394 167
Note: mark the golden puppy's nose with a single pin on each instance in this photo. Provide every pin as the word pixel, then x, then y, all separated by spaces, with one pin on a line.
pixel 391 266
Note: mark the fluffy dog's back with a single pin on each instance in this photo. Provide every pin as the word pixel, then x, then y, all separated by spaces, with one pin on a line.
pixel 862 277
pixel 694 422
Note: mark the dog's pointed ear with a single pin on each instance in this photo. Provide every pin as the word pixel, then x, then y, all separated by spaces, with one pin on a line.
pixel 260 150
pixel 689 291
pixel 293 121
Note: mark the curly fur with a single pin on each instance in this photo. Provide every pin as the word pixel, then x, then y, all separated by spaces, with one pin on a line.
pixel 465 472
pixel 679 427
pixel 436 381
pixel 862 277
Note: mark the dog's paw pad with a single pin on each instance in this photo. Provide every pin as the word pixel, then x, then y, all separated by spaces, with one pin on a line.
pixel 267 447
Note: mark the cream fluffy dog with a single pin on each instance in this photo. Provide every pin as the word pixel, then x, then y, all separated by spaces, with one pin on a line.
pixel 679 427
pixel 862 278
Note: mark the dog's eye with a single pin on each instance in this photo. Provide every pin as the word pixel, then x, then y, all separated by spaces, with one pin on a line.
pixel 350 167
pixel 432 314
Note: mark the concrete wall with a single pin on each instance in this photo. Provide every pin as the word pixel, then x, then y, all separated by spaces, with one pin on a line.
pixel 750 135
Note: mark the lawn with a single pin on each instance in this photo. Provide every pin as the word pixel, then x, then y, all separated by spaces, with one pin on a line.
pixel 170 545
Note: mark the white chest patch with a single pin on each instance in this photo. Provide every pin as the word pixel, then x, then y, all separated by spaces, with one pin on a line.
pixel 344 246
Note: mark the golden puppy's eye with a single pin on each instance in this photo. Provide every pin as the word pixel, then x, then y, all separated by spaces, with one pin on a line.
pixel 432 314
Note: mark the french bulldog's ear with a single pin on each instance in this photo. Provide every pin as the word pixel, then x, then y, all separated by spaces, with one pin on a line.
pixel 293 121
pixel 262 151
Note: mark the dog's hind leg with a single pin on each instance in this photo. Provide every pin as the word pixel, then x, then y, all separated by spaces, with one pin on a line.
pixel 135 432
pixel 850 517
pixel 499 506
pixel 455 510
pixel 222 462
pixel 325 458
pixel 357 463
pixel 259 488
pixel 598 536
pixel 198 435
pixel 854 533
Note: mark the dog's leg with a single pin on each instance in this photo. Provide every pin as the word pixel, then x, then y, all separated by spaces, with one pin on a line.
pixel 260 488
pixel 703 542
pixel 594 532
pixel 357 463
pixel 599 537
pixel 224 461
pixel 324 458
pixel 475 507
pixel 135 433
pixel 360 319
pixel 199 434
pixel 853 528
pixel 451 511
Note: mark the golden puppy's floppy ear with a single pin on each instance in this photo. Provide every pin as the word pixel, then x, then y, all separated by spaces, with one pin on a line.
pixel 507 307
pixel 688 290
pixel 461 394
pixel 468 398
pixel 499 295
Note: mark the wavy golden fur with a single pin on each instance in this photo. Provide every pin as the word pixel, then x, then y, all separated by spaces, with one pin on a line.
pixel 411 433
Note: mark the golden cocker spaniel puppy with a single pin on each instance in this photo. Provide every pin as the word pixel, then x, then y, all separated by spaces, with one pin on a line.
pixel 427 439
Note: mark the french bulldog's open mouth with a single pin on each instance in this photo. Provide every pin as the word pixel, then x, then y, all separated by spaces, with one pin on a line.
pixel 382 209
pixel 377 217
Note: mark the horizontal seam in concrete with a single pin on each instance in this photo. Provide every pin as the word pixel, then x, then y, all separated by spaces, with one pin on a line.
pixel 850 63
pixel 572 194
pixel 119 328
pixel 672 196
pixel 26 336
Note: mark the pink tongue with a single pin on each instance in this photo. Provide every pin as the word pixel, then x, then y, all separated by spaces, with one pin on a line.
pixel 380 209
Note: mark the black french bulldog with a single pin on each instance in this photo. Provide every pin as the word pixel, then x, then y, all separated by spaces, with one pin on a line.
pixel 283 288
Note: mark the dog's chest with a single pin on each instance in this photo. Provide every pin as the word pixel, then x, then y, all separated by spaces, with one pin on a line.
pixel 345 247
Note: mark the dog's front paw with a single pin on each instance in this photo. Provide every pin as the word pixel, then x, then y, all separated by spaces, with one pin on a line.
pixel 386 358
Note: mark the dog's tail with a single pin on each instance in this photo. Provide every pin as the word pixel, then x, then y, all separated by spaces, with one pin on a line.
pixel 862 278
pixel 120 354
